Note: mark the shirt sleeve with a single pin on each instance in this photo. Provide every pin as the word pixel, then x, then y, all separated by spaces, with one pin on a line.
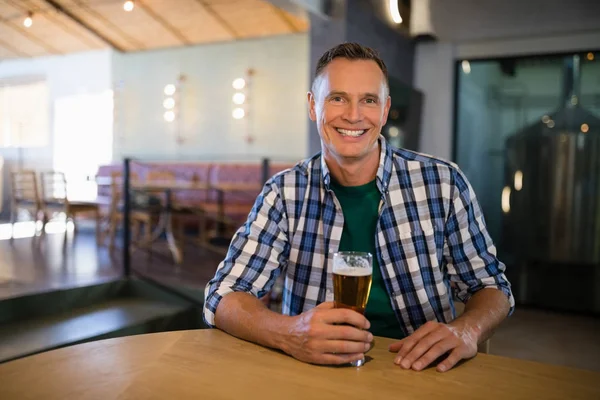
pixel 469 251
pixel 256 256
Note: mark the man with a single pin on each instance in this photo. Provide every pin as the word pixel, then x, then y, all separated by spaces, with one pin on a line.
pixel 417 215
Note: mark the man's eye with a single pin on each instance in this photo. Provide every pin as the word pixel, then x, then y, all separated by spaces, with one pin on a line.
pixel 336 98
pixel 371 101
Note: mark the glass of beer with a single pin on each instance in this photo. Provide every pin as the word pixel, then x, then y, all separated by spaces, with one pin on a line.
pixel 352 274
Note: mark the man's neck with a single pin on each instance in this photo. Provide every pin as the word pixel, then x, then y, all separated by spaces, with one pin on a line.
pixel 354 172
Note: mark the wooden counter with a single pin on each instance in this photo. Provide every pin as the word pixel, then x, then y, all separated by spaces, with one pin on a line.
pixel 209 364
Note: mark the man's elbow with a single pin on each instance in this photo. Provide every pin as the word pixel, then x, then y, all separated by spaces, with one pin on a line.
pixel 209 308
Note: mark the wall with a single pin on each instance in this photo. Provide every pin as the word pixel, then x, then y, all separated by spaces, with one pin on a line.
pixel 76 74
pixel 397 50
pixel 278 123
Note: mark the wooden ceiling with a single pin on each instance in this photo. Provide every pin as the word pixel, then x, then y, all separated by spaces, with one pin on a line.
pixel 67 26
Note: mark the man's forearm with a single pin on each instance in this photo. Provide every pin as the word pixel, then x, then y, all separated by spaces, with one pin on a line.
pixel 243 315
pixel 484 311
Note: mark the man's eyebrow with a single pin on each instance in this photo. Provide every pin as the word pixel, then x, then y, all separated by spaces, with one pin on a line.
pixel 342 93
pixel 337 93
pixel 371 95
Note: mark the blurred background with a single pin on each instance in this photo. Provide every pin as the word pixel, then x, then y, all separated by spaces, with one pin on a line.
pixel 135 136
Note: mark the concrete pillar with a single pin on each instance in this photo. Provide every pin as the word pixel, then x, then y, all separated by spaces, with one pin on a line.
pixel 324 34
pixel 360 21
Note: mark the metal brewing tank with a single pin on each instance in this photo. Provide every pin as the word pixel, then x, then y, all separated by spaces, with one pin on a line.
pixel 551 198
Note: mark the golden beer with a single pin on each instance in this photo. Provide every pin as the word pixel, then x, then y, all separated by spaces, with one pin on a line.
pixel 351 290
pixel 352 275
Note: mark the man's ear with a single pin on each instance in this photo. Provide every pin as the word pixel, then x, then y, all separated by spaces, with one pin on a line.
pixel 311 106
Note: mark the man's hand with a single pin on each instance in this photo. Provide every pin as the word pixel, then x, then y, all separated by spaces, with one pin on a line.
pixel 433 340
pixel 314 337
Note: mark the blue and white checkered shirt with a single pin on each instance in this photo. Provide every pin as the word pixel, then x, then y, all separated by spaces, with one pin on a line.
pixel 431 240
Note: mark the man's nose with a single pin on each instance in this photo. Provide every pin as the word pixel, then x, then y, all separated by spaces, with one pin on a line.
pixel 353 113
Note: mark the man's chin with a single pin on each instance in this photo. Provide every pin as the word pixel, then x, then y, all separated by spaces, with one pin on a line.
pixel 351 154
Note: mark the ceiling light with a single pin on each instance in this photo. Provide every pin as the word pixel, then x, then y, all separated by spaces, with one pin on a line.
pixel 128 6
pixel 239 98
pixel 169 90
pixel 239 83
pixel 585 128
pixel 28 21
pixel 395 11
pixel 393 131
pixel 466 67
pixel 238 113
pixel 590 56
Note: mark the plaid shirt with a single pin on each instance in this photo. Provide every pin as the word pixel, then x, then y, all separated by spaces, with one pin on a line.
pixel 431 240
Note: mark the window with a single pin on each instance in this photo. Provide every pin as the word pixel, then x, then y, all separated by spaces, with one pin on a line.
pixel 525 130
pixel 24 113
pixel 83 133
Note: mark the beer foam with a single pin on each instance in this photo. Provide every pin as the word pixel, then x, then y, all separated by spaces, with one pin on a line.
pixel 352 267
pixel 353 271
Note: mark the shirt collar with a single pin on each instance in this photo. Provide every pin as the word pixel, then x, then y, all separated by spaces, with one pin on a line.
pixel 384 171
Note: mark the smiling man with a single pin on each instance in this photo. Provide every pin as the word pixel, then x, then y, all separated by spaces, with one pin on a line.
pixel 416 214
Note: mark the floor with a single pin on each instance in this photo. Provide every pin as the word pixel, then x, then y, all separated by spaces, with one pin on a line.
pixel 39 263
pixel 43 263
pixel 549 337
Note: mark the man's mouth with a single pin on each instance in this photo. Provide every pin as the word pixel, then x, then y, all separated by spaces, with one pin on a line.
pixel 351 132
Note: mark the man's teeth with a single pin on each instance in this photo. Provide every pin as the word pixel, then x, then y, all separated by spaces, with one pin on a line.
pixel 347 132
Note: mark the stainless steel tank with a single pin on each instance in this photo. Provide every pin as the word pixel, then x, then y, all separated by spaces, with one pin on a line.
pixel 551 198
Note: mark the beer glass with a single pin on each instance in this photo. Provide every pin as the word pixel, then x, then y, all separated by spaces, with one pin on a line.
pixel 352 274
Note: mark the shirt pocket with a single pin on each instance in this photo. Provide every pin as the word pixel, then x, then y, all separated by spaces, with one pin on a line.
pixel 417 248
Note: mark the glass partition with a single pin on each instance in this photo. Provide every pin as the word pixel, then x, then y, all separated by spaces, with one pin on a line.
pixel 527 136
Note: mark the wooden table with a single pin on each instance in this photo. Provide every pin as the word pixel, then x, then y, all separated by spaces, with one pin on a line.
pixel 209 364
pixel 169 187
pixel 166 222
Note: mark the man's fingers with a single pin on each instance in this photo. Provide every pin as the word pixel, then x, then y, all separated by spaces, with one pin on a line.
pixel 396 346
pixel 410 342
pixel 345 316
pixel 421 347
pixel 336 359
pixel 454 357
pixel 434 352
pixel 348 333
pixel 326 305
pixel 344 347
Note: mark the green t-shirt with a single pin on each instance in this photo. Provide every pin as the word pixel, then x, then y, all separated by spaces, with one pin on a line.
pixel 360 205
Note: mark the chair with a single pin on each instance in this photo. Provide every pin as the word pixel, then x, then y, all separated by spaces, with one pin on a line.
pixel 114 216
pixel 55 199
pixel 149 216
pixel 180 213
pixel 24 195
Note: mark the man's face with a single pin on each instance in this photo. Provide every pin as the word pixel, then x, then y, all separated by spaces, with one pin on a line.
pixel 350 104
